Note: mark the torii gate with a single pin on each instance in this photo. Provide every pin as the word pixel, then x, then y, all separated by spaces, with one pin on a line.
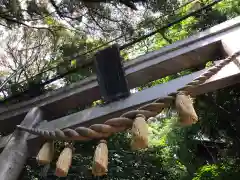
pixel 220 41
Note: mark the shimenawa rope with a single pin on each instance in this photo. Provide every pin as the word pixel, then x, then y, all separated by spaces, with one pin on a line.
pixel 97 131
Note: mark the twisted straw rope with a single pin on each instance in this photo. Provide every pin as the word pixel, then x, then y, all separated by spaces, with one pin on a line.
pixel 125 121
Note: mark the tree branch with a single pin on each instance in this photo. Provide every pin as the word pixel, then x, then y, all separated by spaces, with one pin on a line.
pixel 24 24
pixel 56 8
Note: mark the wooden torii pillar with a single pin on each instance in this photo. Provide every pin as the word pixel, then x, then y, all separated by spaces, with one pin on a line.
pixel 15 153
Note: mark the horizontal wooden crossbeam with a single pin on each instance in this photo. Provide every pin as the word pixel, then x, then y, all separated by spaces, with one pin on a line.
pixel 227 76
pixel 171 59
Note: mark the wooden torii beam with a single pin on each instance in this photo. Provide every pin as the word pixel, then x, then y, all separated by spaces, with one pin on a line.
pixel 171 59
pixel 227 76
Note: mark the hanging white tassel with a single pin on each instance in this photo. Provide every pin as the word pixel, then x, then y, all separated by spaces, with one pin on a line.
pixel 100 160
pixel 139 133
pixel 186 111
pixel 46 153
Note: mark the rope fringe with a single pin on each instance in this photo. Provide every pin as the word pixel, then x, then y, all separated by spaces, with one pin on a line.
pixel 100 160
pixel 46 153
pixel 186 111
pixel 139 133
pixel 64 161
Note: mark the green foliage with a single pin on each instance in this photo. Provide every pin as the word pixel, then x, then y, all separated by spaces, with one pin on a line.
pixel 208 172
pixel 218 171
pixel 209 64
pixel 175 153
